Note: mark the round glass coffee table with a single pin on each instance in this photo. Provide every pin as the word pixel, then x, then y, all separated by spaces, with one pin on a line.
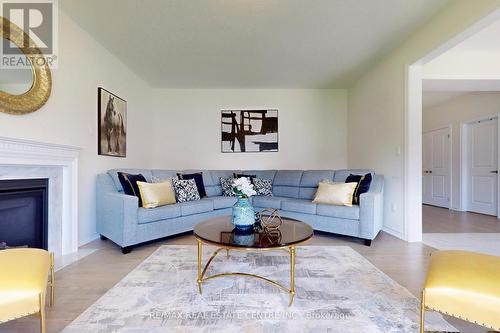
pixel 220 232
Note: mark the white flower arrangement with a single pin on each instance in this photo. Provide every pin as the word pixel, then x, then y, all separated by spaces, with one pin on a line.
pixel 243 188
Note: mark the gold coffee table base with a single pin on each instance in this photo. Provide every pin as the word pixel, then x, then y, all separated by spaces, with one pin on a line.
pixel 201 273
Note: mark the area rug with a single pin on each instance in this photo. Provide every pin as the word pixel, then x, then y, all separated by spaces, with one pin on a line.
pixel 338 291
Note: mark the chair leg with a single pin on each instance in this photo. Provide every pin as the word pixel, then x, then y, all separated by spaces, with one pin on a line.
pixel 422 313
pixel 42 313
pixel 52 281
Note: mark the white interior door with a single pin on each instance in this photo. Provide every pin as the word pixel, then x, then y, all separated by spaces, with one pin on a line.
pixel 482 167
pixel 436 171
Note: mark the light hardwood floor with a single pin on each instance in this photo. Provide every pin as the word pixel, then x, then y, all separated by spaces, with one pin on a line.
pixel 79 285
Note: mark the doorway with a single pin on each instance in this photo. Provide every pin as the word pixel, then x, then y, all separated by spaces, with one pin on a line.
pixel 480 166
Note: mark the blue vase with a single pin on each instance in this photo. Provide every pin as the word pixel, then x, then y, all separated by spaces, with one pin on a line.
pixel 244 237
pixel 243 214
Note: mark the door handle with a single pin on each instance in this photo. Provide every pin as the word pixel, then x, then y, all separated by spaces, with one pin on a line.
pixel 494 171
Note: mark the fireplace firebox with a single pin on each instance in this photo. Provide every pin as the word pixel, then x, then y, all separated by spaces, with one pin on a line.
pixel 24 213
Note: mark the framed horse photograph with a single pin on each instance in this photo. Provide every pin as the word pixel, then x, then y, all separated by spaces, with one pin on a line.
pixel 112 124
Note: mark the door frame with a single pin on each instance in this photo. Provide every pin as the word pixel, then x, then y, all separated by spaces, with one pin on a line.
pixel 464 159
pixel 450 159
pixel 412 124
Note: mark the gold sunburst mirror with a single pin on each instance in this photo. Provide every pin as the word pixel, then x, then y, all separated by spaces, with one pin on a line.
pixel 29 90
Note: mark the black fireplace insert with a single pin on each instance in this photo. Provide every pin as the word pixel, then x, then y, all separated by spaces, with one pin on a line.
pixel 24 213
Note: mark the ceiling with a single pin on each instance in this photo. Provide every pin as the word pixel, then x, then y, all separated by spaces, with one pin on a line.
pixel 431 99
pixel 250 43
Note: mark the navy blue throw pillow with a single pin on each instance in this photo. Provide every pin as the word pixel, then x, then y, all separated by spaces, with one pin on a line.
pixel 129 184
pixel 198 179
pixel 363 186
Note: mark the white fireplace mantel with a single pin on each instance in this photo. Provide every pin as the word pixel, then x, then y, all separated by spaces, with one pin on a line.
pixel 20 152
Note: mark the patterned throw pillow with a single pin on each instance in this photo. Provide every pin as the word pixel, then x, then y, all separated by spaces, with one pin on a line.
pixel 185 190
pixel 263 187
pixel 227 186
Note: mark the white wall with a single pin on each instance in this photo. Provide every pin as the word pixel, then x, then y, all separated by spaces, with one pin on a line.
pixel 462 109
pixel 312 128
pixel 70 116
pixel 377 104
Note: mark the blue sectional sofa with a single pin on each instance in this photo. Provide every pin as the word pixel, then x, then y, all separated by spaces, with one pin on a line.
pixel 121 220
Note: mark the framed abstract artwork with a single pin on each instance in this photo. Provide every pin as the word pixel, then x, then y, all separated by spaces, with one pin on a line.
pixel 249 131
pixel 112 124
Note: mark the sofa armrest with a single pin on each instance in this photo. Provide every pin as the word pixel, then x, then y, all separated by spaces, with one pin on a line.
pixel 371 209
pixel 116 214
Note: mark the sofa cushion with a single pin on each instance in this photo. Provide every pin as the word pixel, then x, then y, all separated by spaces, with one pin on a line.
pixel 145 215
pixel 223 202
pixel 342 212
pixel 311 178
pixel 307 192
pixel 267 202
pixel 286 191
pixel 196 207
pixel 299 206
pixel 288 178
pixel 159 175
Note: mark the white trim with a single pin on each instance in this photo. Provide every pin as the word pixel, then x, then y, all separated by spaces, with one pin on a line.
pixel 393 232
pixel 413 155
pixel 23 152
pixel 88 239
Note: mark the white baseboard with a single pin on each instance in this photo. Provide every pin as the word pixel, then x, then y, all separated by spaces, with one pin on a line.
pixel 87 240
pixel 394 233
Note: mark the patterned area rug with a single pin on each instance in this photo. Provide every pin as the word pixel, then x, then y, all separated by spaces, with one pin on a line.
pixel 338 291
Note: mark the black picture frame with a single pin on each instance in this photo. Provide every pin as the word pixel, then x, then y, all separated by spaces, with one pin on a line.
pixel 234 140
pixel 111 129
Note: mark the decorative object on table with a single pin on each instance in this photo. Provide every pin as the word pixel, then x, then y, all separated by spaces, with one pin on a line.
pixel 129 184
pixel 112 127
pixel 185 190
pixel 156 194
pixel 263 187
pixel 270 219
pixel 339 194
pixel 243 214
pixel 227 186
pixel 198 178
pixel 364 182
pixel 249 131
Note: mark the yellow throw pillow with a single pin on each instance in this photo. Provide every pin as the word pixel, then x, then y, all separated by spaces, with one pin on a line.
pixel 339 194
pixel 156 194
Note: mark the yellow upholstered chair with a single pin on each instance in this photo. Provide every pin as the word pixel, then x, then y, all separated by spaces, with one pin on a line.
pixel 23 283
pixel 465 285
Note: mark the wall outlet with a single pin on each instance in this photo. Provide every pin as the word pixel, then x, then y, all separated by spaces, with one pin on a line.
pixel 393 207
